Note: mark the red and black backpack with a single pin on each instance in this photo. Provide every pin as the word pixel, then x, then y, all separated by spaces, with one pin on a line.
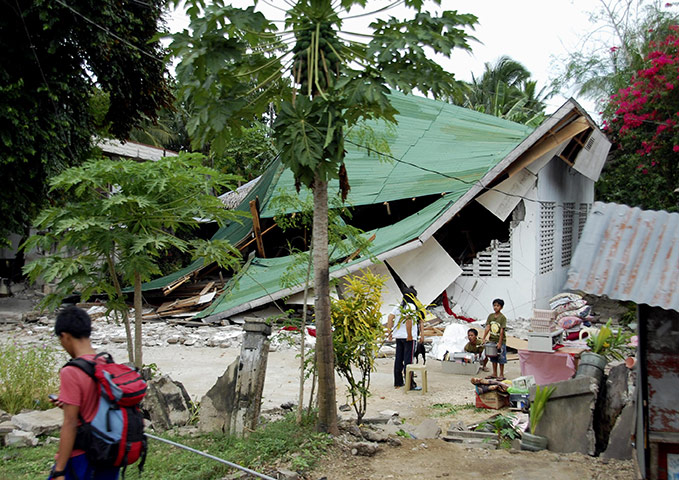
pixel 115 436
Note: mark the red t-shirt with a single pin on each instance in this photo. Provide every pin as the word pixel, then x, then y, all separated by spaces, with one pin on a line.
pixel 78 388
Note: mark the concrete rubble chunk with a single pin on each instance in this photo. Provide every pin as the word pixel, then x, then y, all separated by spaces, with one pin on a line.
pixel 284 474
pixel 374 434
pixel 427 429
pixel 620 442
pixel 39 422
pixel 167 403
pixel 6 427
pixel 364 449
pixel 20 438
pixel 218 403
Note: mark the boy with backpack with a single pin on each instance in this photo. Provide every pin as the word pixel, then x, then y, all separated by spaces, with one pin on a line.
pixel 87 384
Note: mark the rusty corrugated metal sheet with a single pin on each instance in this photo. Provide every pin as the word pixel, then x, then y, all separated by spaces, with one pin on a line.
pixel 628 254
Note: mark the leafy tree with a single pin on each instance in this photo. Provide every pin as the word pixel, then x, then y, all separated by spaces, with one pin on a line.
pixel 505 90
pixel 642 119
pixel 357 332
pixel 119 218
pixel 55 60
pixel 231 61
pixel 606 58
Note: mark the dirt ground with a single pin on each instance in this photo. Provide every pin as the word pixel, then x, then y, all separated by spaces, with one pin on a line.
pixel 199 367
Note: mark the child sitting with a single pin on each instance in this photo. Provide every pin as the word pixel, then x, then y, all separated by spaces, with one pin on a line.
pixel 475 345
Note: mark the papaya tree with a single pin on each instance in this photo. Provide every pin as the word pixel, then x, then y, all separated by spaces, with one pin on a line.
pixel 322 80
pixel 118 218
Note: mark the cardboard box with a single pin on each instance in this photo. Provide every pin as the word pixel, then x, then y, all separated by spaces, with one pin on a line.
pixel 492 400
pixel 460 368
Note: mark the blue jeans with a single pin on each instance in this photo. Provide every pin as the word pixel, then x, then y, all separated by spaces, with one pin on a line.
pixel 501 358
pixel 79 468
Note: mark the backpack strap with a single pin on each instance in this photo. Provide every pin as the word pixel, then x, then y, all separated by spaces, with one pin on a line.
pixel 86 366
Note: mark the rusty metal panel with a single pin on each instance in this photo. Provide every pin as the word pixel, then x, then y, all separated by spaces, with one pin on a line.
pixel 628 254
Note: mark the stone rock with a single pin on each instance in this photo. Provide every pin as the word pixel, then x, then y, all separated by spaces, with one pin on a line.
pixel 39 422
pixel 173 339
pixel 373 435
pixel 350 427
pixel 365 449
pixel 394 442
pixel 4 416
pixel 119 339
pixel 190 341
pixel 167 403
pixel 218 403
pixel 614 396
pixel 284 474
pixel 427 429
pixel 6 427
pixel 20 438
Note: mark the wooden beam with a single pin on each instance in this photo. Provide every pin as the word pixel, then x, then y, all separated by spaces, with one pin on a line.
pixel 249 242
pixel 256 228
pixel 548 142
pixel 358 250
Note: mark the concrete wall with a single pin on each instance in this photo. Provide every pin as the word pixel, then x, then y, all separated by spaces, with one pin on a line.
pixel 526 289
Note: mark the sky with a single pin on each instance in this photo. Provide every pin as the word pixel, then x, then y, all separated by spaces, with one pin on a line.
pixel 532 32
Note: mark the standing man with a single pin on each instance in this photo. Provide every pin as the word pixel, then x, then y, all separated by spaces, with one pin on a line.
pixel 78 398
pixel 401 327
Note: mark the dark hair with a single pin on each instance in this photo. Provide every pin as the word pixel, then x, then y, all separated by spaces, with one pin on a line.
pixel 499 301
pixel 409 294
pixel 73 320
pixel 476 332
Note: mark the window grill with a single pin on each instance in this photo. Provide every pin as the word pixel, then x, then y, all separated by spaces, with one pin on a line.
pixel 582 217
pixel 546 262
pixel 495 261
pixel 567 233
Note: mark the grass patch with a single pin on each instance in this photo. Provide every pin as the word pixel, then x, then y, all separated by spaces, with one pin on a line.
pixel 280 443
pixel 27 376
pixel 448 409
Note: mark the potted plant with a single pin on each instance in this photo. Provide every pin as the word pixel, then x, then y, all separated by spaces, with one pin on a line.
pixel 604 345
pixel 531 441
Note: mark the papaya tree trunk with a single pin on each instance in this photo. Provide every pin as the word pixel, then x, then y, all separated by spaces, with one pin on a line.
pixel 125 313
pixel 137 321
pixel 325 364
pixel 300 403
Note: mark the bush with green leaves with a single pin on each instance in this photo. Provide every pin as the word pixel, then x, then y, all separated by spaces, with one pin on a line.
pixel 27 376
pixel 357 331
pixel 503 426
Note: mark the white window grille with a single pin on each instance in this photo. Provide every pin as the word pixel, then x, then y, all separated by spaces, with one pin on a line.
pixel 567 233
pixel 582 217
pixel 495 261
pixel 546 262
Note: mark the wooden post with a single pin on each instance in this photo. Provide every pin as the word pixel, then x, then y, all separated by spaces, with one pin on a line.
pixel 257 229
pixel 251 374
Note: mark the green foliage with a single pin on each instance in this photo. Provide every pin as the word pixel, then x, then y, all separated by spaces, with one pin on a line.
pixel 357 333
pixel 279 443
pixel 27 376
pixel 537 408
pixel 448 409
pixel 605 59
pixel 609 344
pixel 506 91
pixel 503 427
pixel 133 224
pixel 63 79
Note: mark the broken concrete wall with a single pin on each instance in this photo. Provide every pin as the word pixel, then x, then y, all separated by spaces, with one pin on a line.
pixel 569 416
pixel 167 404
pixel 617 391
pixel 219 402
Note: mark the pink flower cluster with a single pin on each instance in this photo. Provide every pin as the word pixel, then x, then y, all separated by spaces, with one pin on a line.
pixel 645 113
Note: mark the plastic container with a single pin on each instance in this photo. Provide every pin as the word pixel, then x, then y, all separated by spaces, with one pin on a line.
pixel 543 321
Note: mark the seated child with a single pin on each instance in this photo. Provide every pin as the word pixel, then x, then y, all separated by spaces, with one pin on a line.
pixel 475 345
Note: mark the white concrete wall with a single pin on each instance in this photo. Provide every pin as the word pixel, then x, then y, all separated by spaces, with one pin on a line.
pixel 526 289
pixel 557 182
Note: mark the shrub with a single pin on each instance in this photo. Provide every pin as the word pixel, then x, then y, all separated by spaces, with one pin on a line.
pixel 27 376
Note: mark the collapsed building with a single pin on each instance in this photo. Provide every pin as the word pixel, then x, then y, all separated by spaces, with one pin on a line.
pixel 460 202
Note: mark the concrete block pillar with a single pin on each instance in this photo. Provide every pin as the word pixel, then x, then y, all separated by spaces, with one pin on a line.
pixel 251 374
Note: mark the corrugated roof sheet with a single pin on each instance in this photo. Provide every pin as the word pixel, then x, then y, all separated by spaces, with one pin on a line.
pixel 627 253
pixel 261 279
pixel 453 147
